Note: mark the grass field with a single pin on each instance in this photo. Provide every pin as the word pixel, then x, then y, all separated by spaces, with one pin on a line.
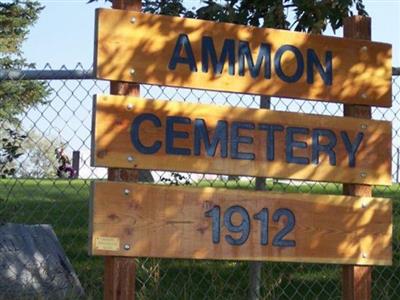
pixel 64 205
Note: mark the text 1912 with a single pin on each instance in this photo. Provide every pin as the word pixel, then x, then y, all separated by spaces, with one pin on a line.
pixel 245 226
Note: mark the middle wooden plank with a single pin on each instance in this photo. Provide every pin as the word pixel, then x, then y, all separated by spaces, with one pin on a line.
pixel 140 133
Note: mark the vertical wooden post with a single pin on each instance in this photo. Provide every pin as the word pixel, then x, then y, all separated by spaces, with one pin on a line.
pixel 120 272
pixel 356 280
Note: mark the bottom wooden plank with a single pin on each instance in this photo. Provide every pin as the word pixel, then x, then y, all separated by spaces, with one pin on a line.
pixel 206 223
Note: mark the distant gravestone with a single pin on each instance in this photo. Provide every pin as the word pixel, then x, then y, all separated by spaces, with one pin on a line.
pixel 33 265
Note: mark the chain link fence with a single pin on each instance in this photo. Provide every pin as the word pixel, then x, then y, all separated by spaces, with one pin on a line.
pixel 35 194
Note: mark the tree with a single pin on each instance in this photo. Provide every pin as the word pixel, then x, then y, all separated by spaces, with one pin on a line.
pixel 10 150
pixel 39 155
pixel 16 96
pixel 308 15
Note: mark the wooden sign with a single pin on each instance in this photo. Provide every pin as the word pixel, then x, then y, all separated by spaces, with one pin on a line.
pixel 173 51
pixel 207 223
pixel 137 133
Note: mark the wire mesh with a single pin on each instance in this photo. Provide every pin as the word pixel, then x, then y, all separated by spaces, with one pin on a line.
pixel 35 194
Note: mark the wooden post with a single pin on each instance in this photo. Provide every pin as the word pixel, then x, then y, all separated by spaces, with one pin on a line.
pixel 356 280
pixel 120 272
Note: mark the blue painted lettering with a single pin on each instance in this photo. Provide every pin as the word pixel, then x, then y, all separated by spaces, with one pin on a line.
pixel 237 139
pixel 183 43
pixel 220 137
pixel 171 134
pixel 299 62
pixel 312 60
pixel 327 148
pixel 352 147
pixel 271 129
pixel 264 54
pixel 135 128
pixel 208 53
pixel 292 143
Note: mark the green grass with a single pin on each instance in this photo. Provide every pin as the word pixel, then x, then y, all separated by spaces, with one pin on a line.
pixel 64 205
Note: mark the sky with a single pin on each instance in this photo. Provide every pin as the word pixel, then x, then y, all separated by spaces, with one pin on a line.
pixel 64 34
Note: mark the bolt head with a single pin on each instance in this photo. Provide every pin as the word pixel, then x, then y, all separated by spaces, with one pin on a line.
pixel 364 126
pixel 364 95
pixel 363 174
pixel 127 247
pixel 126 191
pixel 132 71
pixel 130 158
pixel 364 255
pixel 133 20
pixel 364 205
pixel 364 48
pixel 129 106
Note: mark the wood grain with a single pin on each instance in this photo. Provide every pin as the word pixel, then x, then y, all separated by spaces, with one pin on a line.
pixel 112 142
pixel 120 272
pixel 361 69
pixel 169 222
pixel 357 280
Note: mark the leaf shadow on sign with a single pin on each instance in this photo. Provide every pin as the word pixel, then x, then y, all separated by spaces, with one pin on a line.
pixel 113 142
pixel 127 57
pixel 170 222
pixel 140 51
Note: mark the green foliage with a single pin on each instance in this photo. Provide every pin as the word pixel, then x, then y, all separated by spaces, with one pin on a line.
pixel 167 7
pixel 300 15
pixel 15 19
pixel 16 96
pixel 10 150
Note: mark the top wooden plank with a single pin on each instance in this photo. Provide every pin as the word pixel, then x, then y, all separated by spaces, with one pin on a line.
pixel 182 52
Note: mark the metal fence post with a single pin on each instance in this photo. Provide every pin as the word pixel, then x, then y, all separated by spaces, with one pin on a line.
pixel 255 267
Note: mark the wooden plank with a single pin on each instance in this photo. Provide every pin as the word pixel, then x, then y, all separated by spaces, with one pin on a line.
pixel 170 222
pixel 357 280
pixel 154 145
pixel 174 51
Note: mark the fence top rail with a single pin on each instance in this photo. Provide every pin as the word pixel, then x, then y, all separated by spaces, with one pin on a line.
pixel 65 74
pixel 46 74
